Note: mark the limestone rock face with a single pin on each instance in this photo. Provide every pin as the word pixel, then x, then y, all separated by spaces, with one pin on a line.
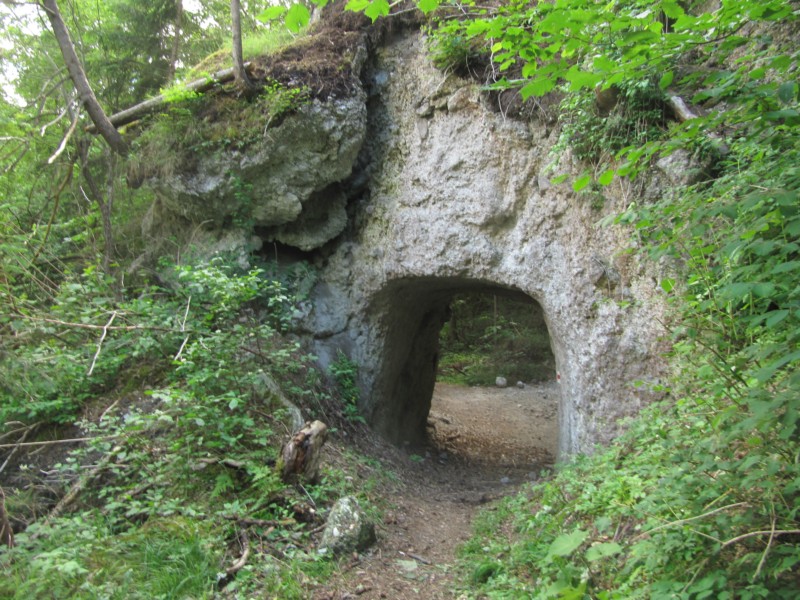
pixel 347 529
pixel 459 198
pixel 283 182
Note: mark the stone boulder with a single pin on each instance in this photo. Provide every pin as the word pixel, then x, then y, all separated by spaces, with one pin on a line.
pixel 347 529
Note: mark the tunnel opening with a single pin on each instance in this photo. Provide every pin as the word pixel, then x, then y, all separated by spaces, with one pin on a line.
pixel 495 399
pixel 444 342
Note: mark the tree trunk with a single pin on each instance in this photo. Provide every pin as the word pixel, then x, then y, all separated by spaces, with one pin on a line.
pixel 176 41
pixel 104 204
pixel 239 73
pixel 78 76
pixel 301 455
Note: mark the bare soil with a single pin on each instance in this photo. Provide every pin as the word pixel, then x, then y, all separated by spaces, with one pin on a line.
pixel 484 444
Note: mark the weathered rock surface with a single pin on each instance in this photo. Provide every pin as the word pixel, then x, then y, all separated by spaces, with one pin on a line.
pixel 347 528
pixel 284 183
pixel 458 199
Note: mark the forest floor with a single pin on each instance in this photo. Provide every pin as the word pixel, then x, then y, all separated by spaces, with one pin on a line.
pixel 485 443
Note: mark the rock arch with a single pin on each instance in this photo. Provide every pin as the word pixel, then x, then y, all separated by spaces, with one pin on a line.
pixel 459 197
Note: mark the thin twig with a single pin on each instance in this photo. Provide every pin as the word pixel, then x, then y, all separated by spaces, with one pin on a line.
pixel 16 447
pixel 766 550
pixel 305 491
pixel 682 521
pixel 53 442
pixel 90 326
pixel 769 532
pixel 108 410
pixel 100 343
pixel 183 328
pixel 64 141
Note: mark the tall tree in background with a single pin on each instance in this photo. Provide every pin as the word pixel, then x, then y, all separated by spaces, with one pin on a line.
pixel 176 40
pixel 79 79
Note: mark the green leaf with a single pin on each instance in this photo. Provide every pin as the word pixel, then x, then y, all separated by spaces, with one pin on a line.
pixel 378 8
pixel 538 87
pixel 271 13
pixel 559 178
pixel 606 178
pixel 672 9
pixel 581 182
pixel 297 17
pixel 567 543
pixel 427 6
pixel 787 92
pixel 667 284
pixel 775 316
pixel 666 80
pixel 763 290
pixel 357 5
pixel 582 79
pixel 602 550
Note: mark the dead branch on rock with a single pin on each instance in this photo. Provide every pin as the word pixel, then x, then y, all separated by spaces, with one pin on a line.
pixel 199 86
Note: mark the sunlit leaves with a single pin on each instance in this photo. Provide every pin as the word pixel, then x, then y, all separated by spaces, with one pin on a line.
pixel 374 9
pixel 297 17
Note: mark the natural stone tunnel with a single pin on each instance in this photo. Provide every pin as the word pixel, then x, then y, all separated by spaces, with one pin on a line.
pixel 452 197
pixel 415 310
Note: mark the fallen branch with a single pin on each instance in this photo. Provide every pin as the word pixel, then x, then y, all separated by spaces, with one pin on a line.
pixel 242 561
pixel 76 489
pixel 91 326
pixel 16 447
pixel 261 522
pixel 690 519
pixel 199 86
pixel 53 442
pixel 770 532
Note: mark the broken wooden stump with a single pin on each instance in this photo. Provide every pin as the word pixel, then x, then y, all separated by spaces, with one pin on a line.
pixel 6 533
pixel 300 456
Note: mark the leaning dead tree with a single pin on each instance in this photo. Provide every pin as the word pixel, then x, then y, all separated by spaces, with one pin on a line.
pixel 81 82
pixel 301 455
pixel 198 86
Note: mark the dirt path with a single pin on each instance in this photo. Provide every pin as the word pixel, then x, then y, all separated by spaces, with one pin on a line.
pixel 485 443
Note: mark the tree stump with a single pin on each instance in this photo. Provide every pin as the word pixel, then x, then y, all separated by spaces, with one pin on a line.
pixel 300 456
pixel 6 533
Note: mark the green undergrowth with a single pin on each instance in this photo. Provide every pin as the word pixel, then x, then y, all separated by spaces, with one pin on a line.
pixel 700 498
pixel 173 483
pixel 679 507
